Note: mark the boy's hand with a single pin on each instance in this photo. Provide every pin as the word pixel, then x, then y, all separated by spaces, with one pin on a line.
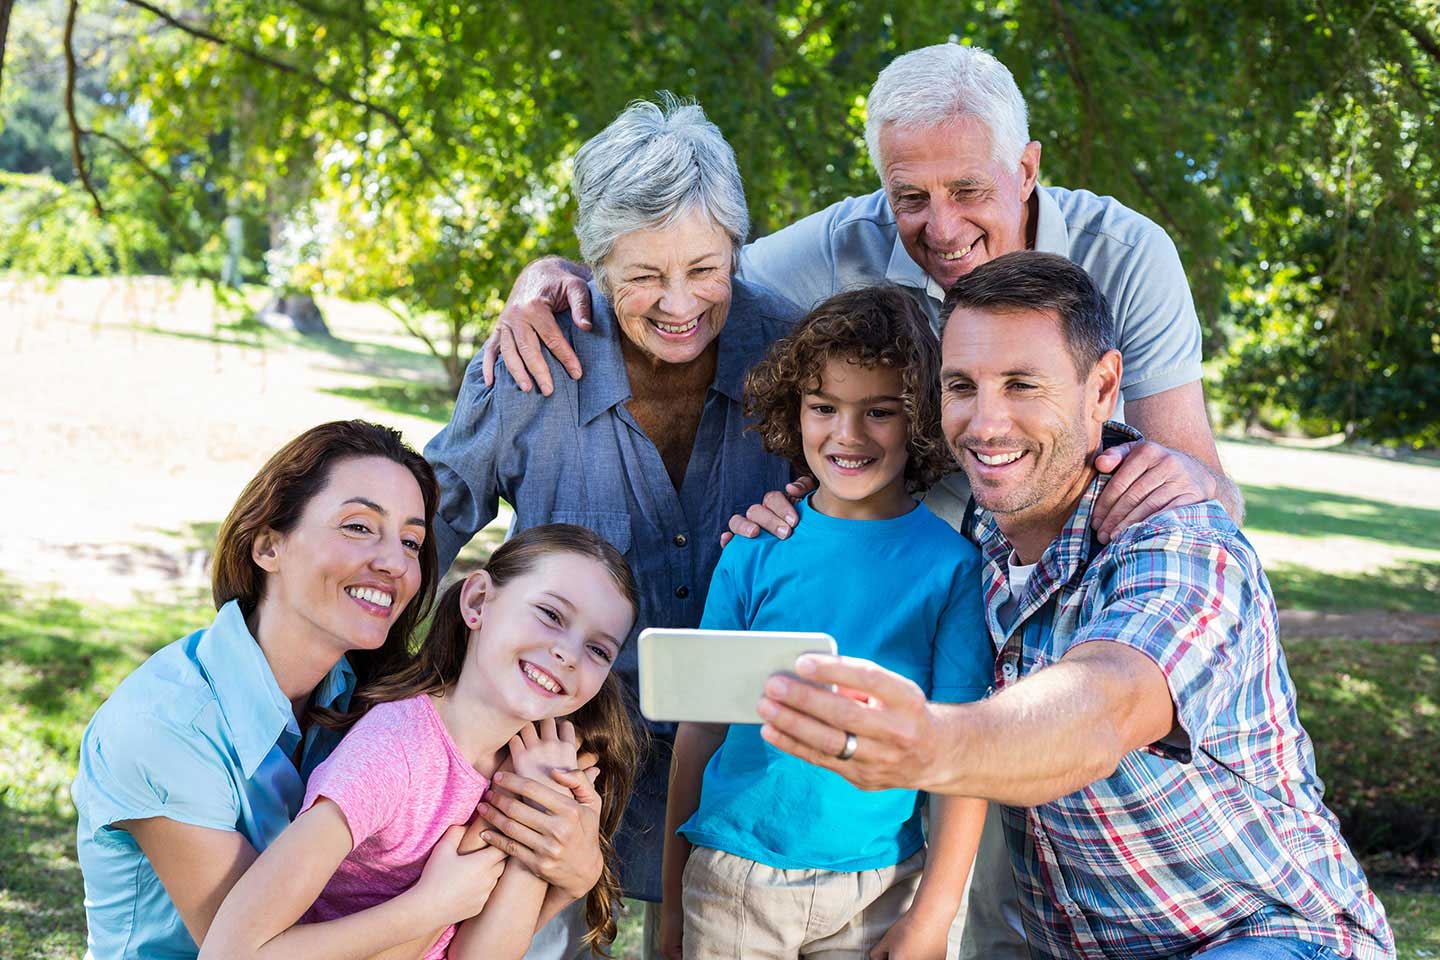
pixel 912 938
pixel 775 513
pixel 454 886
pixel 672 927
pixel 540 750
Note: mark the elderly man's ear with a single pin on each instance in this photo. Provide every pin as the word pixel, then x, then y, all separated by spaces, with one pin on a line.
pixel 1102 388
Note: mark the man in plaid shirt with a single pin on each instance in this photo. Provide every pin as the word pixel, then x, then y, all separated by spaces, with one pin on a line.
pixel 1159 792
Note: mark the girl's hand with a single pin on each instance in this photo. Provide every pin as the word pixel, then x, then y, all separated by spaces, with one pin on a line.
pixel 553 834
pixel 454 885
pixel 911 938
pixel 539 750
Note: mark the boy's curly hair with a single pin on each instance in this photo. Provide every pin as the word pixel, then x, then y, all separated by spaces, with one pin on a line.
pixel 874 326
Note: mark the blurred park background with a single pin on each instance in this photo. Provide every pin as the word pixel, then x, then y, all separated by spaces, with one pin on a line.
pixel 223 222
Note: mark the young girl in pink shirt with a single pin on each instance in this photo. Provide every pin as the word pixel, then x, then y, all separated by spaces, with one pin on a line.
pixel 513 678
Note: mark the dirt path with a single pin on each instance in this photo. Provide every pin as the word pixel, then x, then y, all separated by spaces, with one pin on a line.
pixel 125 421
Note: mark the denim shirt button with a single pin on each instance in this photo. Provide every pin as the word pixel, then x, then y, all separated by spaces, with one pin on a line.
pixel 682 592
pixel 680 540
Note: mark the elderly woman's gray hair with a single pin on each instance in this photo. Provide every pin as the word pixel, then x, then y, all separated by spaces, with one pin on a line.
pixel 929 86
pixel 649 168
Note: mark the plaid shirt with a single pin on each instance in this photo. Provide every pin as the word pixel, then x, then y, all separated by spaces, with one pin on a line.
pixel 1215 833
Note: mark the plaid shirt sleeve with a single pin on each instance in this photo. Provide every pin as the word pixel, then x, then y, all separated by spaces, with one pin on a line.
pixel 1177 594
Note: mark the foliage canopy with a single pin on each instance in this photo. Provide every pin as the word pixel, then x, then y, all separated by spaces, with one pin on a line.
pixel 416 153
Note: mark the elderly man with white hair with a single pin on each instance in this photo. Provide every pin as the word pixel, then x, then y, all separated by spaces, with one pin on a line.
pixel 947 130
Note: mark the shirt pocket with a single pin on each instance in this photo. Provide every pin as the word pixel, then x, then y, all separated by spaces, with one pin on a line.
pixel 613 525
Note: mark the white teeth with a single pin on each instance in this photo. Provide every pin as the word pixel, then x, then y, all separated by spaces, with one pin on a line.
pixel 851 464
pixel 957 254
pixel 999 459
pixel 677 329
pixel 541 679
pixel 377 597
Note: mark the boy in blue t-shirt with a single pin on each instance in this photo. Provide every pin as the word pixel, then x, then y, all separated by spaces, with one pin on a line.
pixel 769 856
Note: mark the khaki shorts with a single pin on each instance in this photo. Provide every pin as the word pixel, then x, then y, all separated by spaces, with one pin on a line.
pixel 737 909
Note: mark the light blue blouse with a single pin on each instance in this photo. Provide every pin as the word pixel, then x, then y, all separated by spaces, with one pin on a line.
pixel 202 734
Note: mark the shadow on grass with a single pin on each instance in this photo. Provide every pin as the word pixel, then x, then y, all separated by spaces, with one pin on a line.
pixel 1310 513
pixel 59 658
pixel 1412 586
pixel 1373 712
pixel 372 358
pixel 42 912
pixel 427 401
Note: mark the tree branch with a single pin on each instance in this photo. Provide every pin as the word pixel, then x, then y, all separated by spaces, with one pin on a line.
pixel 364 103
pixel 5 7
pixel 134 156
pixel 1422 37
pixel 77 156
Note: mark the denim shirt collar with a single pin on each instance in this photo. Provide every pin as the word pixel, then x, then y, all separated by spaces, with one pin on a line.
pixel 252 704
pixel 1051 236
pixel 605 384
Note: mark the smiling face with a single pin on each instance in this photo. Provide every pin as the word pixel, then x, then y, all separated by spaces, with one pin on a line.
pixel 349 566
pixel 954 206
pixel 854 433
pixel 547 638
pixel 670 287
pixel 1019 417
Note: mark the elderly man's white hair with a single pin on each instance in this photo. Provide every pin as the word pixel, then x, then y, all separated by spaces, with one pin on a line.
pixel 649 168
pixel 927 87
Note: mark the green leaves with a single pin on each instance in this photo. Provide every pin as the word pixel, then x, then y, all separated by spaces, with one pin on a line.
pixel 1290 153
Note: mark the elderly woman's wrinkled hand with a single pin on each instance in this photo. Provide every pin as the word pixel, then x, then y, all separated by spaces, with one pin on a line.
pixel 543 289
pixel 896 736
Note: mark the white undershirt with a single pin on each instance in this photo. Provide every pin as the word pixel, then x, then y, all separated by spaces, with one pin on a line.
pixel 1019 577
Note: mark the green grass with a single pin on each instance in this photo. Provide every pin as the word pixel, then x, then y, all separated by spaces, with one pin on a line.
pixel 1324 533
pixel 58 660
pixel 1411 586
pixel 1311 513
pixel 427 401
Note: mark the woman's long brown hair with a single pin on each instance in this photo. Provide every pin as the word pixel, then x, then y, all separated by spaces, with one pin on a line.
pixel 276 498
pixel 603 725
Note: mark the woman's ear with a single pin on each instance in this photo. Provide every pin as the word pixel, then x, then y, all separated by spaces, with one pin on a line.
pixel 265 550
pixel 478 587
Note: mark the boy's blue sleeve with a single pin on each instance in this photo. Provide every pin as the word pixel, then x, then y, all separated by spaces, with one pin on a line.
pixel 964 656
pixel 725 606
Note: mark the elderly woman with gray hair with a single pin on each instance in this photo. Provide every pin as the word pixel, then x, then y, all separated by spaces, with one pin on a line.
pixel 649 449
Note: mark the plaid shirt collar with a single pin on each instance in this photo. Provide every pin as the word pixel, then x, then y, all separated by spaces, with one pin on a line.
pixel 1064 559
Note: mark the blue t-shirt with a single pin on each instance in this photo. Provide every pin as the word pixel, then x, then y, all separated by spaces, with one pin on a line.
pixel 904 593
pixel 200 734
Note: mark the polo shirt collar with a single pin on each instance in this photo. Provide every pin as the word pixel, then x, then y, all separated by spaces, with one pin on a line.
pixel 1051 236
pixel 605 384
pixel 1051 233
pixel 905 271
pixel 252 705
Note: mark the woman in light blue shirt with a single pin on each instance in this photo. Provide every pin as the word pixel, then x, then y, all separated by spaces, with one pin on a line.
pixel 198 760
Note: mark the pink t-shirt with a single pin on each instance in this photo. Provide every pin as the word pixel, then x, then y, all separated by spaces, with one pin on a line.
pixel 401 783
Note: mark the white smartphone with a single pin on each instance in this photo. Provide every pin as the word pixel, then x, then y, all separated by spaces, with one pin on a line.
pixel 715 676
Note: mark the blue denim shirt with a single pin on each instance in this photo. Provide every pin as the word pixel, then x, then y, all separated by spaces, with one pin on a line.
pixel 578 456
pixel 200 734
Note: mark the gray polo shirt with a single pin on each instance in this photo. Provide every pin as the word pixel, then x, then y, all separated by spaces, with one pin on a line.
pixel 855 243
